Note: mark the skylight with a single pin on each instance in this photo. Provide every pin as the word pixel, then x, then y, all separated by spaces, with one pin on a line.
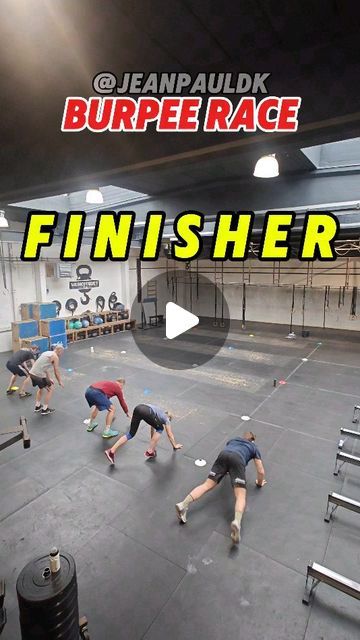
pixel 114 198
pixel 344 153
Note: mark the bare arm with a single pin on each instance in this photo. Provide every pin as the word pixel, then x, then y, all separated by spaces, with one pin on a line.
pixel 57 370
pixel 26 366
pixel 171 437
pixel 260 471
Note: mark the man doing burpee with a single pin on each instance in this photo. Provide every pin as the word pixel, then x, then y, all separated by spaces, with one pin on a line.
pixel 232 460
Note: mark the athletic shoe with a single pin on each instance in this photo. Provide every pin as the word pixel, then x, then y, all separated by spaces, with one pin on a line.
pixel 181 512
pixel 25 394
pixel 150 454
pixel 110 456
pixel 9 392
pixel 91 427
pixel 235 532
pixel 38 407
pixel 46 412
pixel 110 434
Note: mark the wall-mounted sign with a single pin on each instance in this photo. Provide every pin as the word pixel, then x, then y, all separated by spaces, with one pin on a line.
pixel 79 284
pixel 84 283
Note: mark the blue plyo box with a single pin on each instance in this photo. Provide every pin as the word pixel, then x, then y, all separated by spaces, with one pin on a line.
pixel 44 310
pixel 60 338
pixel 25 329
pixel 52 327
pixel 40 341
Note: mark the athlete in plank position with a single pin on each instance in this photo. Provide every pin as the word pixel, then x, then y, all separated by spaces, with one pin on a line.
pixel 232 460
pixel 158 421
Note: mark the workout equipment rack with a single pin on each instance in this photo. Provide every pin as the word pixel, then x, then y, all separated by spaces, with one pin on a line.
pixel 113 322
pixel 347 433
pixel 19 433
pixel 340 501
pixel 355 418
pixel 343 458
pixel 318 574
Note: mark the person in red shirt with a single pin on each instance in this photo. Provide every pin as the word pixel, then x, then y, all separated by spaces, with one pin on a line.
pixel 98 398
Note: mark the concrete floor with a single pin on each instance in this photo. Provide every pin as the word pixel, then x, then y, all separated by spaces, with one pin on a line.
pixel 141 574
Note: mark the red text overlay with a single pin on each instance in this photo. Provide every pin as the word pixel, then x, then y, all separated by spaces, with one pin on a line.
pixel 182 114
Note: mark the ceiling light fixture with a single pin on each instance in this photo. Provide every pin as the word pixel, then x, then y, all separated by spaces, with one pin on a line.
pixel 94 196
pixel 267 167
pixel 3 221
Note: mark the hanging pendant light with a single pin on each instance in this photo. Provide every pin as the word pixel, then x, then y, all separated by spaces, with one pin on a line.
pixel 3 221
pixel 94 196
pixel 267 167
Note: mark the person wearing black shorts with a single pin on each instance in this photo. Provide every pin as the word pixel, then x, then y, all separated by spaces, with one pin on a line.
pixel 39 374
pixel 157 419
pixel 232 460
pixel 19 364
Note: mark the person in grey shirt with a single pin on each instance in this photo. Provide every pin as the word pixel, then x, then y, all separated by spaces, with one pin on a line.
pixel 158 421
pixel 39 374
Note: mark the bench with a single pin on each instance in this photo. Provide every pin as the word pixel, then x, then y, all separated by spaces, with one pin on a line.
pixel 355 418
pixel 340 501
pixel 345 458
pixel 348 433
pixel 321 574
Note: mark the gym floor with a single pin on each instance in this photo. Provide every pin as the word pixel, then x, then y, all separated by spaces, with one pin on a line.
pixel 140 573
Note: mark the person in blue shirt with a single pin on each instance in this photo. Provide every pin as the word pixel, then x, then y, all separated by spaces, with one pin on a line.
pixel 157 419
pixel 232 460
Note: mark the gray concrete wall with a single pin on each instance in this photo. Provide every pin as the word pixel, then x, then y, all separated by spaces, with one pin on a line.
pixel 266 302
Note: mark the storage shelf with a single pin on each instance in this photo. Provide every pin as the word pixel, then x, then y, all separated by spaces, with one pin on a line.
pixel 98 330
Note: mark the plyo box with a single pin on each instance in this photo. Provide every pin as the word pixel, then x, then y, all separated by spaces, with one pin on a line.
pixel 43 310
pixel 61 338
pixel 52 327
pixel 26 310
pixel 24 329
pixel 40 341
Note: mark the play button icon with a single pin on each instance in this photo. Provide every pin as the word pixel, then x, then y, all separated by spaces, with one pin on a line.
pixel 182 319
pixel 178 320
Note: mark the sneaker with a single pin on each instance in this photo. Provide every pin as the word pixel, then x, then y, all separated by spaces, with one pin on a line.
pixel 38 407
pixel 110 434
pixel 46 412
pixel 9 392
pixel 24 394
pixel 150 454
pixel 91 427
pixel 110 456
pixel 181 512
pixel 235 532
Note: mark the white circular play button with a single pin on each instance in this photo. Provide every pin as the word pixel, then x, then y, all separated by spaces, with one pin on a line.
pixel 182 319
pixel 178 320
